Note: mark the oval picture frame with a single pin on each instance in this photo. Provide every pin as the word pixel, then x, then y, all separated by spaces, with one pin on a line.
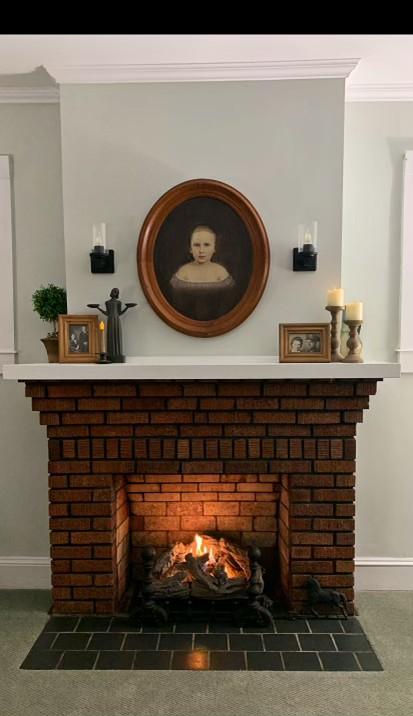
pixel 173 279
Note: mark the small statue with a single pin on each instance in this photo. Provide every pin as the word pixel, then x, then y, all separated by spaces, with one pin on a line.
pixel 318 595
pixel 114 336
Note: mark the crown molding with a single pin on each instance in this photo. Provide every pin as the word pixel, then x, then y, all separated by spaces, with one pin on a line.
pixel 205 71
pixel 29 95
pixel 380 93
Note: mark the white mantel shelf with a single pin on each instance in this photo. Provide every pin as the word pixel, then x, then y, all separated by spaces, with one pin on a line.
pixel 200 368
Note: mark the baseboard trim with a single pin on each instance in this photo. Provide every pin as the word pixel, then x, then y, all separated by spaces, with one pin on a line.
pixel 377 573
pixel 25 573
pixel 372 573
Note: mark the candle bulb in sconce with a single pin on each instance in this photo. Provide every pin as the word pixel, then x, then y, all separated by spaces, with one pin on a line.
pixel 335 297
pixel 354 311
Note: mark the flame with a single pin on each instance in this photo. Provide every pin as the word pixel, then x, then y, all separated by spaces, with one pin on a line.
pixel 200 548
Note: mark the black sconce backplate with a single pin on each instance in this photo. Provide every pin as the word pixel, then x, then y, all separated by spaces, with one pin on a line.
pixel 303 261
pixel 102 262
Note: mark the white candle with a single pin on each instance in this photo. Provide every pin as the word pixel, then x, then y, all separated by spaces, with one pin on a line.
pixel 335 297
pixel 354 311
pixel 102 337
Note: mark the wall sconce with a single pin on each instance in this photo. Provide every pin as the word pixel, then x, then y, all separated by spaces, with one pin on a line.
pixel 305 255
pixel 102 260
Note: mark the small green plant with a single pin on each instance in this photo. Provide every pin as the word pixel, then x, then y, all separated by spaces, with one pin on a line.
pixel 49 301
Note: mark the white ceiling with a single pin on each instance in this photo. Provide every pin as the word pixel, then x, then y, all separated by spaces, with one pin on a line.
pixel 384 60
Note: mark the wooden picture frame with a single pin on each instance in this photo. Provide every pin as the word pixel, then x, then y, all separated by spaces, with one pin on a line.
pixel 304 343
pixel 203 257
pixel 78 338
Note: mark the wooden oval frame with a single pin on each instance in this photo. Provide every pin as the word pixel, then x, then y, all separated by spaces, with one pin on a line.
pixel 180 193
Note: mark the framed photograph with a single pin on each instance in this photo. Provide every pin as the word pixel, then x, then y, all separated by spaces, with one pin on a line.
pixel 78 339
pixel 305 343
pixel 203 257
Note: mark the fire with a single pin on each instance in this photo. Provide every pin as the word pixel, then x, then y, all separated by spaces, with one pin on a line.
pixel 200 548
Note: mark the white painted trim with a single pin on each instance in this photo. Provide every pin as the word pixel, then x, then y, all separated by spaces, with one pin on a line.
pixel 6 264
pixel 406 270
pixel 199 368
pixel 395 92
pixel 25 573
pixel 205 71
pixel 32 95
pixel 380 573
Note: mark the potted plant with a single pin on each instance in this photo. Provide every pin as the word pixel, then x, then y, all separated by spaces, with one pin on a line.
pixel 50 301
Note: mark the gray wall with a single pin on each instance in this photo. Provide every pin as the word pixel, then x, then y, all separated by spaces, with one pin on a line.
pixel 31 134
pixel 376 136
pixel 279 143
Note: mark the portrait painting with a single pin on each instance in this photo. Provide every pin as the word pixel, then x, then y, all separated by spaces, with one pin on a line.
pixel 304 343
pixel 78 338
pixel 203 257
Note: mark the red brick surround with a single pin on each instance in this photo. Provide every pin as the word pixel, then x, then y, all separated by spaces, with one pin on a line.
pixel 268 462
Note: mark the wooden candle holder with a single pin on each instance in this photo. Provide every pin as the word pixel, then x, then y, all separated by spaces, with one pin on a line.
pixel 336 356
pixel 354 343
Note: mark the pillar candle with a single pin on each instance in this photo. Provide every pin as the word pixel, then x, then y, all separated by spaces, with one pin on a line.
pixel 102 337
pixel 354 311
pixel 335 297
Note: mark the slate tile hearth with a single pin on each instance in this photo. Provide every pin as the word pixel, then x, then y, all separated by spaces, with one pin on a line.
pixel 120 643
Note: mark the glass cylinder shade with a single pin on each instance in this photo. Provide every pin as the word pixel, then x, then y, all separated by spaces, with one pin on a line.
pixel 99 238
pixel 308 238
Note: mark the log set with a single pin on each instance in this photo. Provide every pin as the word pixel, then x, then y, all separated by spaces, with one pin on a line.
pixel 207 568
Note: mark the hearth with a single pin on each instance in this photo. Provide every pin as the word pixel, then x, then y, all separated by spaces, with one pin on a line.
pixel 207 568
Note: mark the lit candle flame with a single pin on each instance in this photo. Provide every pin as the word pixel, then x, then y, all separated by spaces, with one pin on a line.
pixel 101 326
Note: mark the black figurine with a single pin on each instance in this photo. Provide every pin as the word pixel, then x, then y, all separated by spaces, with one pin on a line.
pixel 114 336
pixel 318 595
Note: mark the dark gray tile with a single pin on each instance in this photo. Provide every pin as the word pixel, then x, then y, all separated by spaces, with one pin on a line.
pixel 78 660
pixel 325 626
pixel 45 640
pixel 153 629
pixel 352 626
pixel 41 659
pixel 291 626
pixel 316 642
pixel 263 629
pixel 176 642
pixel 264 661
pixel 226 628
pixel 141 642
pixel 211 642
pixel 339 661
pixel 64 642
pixel 281 642
pixel 190 660
pixel 106 642
pixel 126 624
pixel 301 661
pixel 152 660
pixel 352 642
pixel 61 624
pixel 245 642
pixel 115 660
pixel 227 661
pixel 369 661
pixel 191 628
pixel 93 624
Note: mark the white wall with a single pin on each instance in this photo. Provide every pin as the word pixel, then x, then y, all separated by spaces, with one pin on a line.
pixel 279 143
pixel 376 136
pixel 31 134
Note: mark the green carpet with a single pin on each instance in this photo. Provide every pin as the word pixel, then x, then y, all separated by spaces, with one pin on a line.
pixel 387 618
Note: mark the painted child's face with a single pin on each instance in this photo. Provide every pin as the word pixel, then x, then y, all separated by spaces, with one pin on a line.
pixel 202 245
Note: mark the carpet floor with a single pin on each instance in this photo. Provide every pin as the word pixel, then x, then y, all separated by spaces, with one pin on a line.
pixel 386 617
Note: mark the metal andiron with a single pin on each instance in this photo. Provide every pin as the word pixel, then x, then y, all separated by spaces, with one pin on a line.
pixel 114 311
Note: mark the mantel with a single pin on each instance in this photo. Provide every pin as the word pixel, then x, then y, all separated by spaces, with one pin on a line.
pixel 200 368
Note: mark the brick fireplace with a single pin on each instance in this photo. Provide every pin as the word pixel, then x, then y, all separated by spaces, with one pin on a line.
pixel 148 462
